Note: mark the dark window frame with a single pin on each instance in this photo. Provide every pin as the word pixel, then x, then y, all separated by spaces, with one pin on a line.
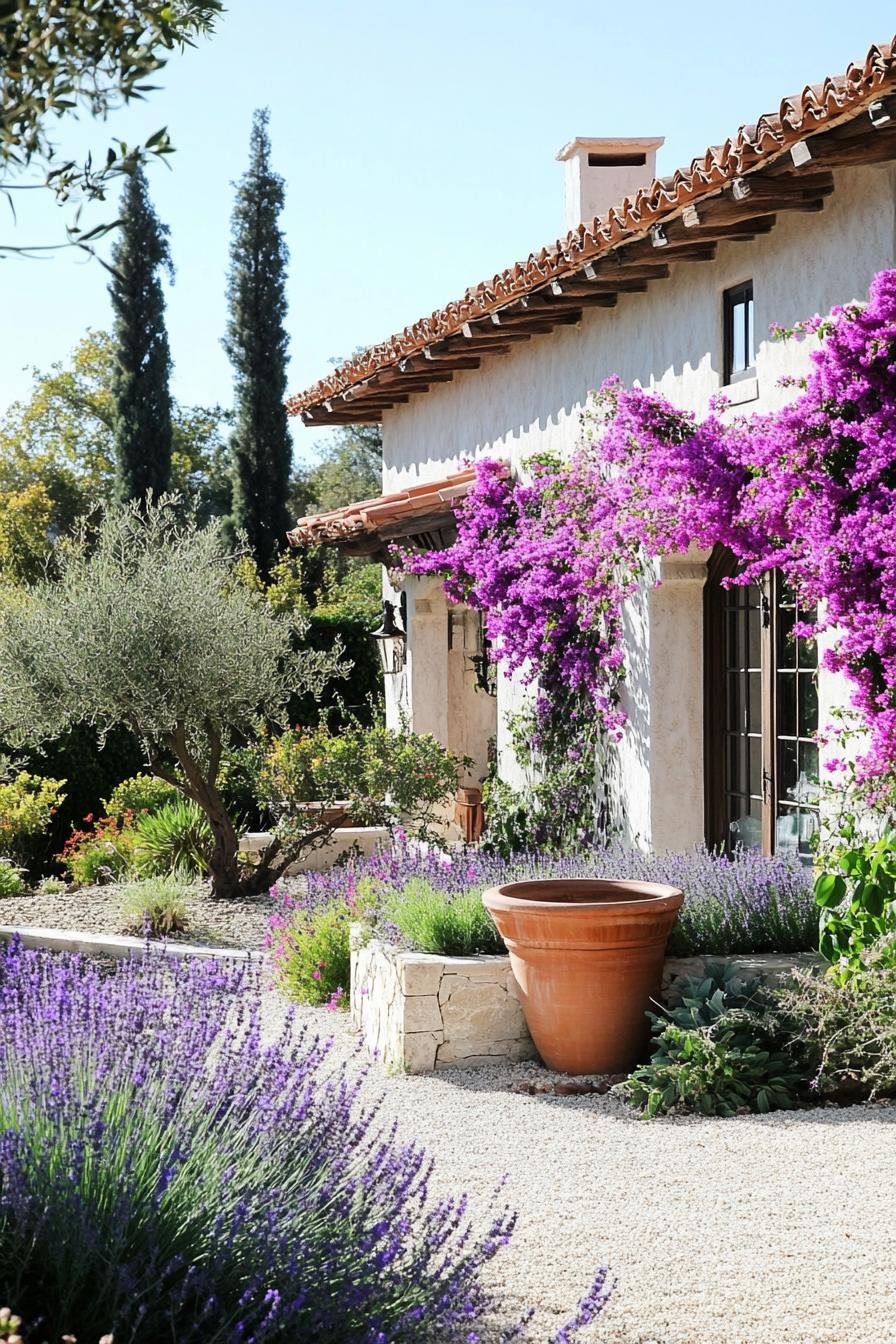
pixel 738 297
pixel 771 734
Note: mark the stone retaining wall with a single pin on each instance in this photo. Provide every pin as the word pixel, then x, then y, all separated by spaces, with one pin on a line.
pixel 420 1013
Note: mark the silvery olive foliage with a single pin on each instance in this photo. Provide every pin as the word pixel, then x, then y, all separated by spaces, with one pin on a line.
pixel 149 626
pixel 61 59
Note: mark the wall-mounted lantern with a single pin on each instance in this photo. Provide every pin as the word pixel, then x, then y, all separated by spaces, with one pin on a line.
pixel 391 641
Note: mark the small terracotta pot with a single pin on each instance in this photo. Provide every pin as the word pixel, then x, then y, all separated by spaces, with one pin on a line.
pixel 588 958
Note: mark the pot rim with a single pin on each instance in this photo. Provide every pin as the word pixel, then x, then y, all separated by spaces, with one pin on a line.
pixel 640 897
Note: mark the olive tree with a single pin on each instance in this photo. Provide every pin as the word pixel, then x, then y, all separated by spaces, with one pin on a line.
pixel 150 626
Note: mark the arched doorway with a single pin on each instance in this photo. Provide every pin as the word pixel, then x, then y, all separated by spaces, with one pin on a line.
pixel 760 715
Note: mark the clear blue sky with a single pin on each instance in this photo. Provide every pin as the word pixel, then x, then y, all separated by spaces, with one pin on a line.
pixel 417 142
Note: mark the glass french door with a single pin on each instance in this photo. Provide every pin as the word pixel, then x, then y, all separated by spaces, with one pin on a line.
pixel 761 717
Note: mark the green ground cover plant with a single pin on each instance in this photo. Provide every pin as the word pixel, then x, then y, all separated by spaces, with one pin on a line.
pixel 434 921
pixel 718 1049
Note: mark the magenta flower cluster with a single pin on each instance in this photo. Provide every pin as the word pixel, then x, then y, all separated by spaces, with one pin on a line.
pixel 808 490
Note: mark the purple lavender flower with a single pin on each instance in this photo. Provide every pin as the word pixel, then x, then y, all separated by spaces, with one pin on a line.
pixel 166 1171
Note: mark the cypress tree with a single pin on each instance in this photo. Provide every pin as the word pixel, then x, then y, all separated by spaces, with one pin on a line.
pixel 142 357
pixel 256 343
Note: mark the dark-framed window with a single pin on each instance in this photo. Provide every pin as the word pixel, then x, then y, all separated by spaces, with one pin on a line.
pixel 761 716
pixel 739 358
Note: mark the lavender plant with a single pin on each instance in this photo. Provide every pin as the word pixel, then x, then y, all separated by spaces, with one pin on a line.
pixel 745 904
pixel 166 1172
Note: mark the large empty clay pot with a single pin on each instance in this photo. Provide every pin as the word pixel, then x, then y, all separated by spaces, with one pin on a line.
pixel 588 958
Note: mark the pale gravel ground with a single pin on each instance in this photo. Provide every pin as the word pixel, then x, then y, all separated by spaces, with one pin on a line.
pixel 753 1230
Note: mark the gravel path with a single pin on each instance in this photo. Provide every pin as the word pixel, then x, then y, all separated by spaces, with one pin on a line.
pixel 753 1230
pixel 232 923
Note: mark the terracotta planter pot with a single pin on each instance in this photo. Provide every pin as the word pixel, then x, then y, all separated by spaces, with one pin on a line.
pixel 588 958
pixel 315 814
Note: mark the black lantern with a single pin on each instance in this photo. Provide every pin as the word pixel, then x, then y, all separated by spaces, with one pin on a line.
pixel 390 641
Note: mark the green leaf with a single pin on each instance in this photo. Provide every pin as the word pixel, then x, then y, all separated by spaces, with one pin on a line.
pixel 830 889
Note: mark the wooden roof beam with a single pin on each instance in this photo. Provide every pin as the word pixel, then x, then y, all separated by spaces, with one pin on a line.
pixel 427 363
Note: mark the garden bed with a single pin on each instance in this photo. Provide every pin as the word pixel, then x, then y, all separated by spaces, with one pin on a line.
pixel 419 1013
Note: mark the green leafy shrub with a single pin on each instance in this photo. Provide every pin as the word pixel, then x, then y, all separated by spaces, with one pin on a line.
pixel 387 775
pixel 844 1029
pixel 449 925
pixel 101 854
pixel 857 901
pixel 11 881
pixel 717 1050
pixel 27 804
pixel 158 906
pixel 177 838
pixel 141 793
pixel 312 956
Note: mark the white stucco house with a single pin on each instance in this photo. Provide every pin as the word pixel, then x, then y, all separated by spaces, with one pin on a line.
pixel 672 283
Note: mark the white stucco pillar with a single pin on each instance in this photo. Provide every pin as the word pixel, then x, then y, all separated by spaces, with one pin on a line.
pixel 423 696
pixel 676 662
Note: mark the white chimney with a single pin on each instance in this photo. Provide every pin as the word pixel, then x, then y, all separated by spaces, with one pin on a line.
pixel 599 173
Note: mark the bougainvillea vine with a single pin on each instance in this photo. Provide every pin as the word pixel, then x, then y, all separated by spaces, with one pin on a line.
pixel 809 489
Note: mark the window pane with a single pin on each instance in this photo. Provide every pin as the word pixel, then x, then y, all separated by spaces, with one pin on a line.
pixel 756 766
pixel 754 651
pixel 787 771
pixel 735 779
pixel 738 333
pixel 755 679
pixel 786 645
pixel 787 704
pixel 745 825
pixel 807 784
pixel 736 708
pixel 751 353
pixel 808 704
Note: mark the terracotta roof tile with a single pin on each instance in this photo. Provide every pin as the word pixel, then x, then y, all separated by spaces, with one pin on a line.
pixel 368 517
pixel 817 105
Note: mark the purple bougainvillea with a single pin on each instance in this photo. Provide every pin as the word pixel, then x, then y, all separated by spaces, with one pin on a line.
pixel 809 489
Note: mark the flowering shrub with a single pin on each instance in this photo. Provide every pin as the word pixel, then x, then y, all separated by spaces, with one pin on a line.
pixel 311 954
pixel 171 1173
pixel 100 854
pixel 744 904
pixel 27 802
pixel 808 489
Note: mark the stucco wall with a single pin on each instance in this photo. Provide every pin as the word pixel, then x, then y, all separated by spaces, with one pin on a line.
pixel 670 338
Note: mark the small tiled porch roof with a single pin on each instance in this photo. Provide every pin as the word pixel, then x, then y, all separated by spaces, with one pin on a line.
pixel 732 192
pixel 420 512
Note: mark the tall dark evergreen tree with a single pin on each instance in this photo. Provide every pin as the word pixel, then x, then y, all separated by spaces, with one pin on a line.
pixel 256 343
pixel 142 358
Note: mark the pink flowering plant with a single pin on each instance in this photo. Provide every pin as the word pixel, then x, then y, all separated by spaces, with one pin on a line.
pixel 808 490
